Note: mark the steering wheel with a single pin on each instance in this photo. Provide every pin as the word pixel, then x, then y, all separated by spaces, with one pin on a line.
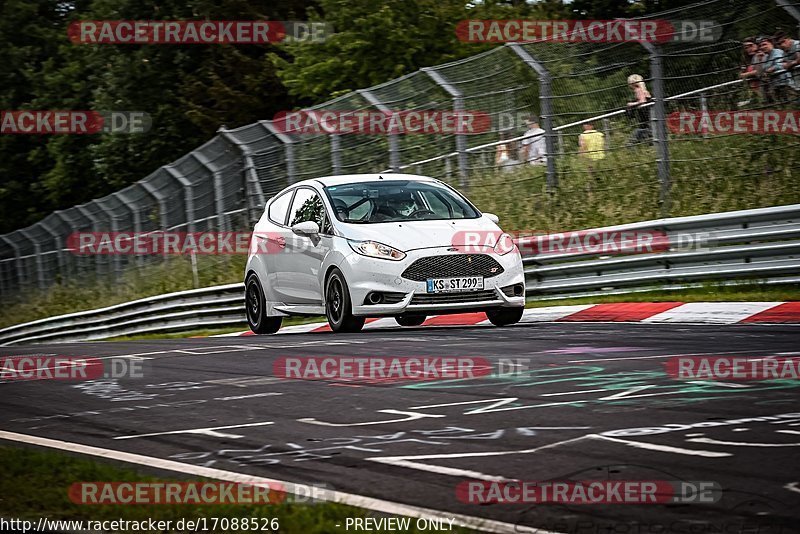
pixel 420 212
pixel 340 207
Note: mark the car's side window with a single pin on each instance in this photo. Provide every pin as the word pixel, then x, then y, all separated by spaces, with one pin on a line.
pixel 437 205
pixel 279 207
pixel 307 206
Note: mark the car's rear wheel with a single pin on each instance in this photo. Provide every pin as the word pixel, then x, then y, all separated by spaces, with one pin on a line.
pixel 338 306
pixel 256 308
pixel 505 316
pixel 410 320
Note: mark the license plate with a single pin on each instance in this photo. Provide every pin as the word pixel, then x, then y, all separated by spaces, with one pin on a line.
pixel 461 283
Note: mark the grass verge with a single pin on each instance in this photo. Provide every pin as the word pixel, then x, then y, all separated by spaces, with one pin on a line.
pixel 35 484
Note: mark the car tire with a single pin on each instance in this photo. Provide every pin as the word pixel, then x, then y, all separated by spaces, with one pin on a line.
pixel 410 320
pixel 338 306
pixel 505 316
pixel 256 307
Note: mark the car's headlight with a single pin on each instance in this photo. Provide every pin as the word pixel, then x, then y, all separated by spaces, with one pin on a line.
pixel 373 249
pixel 504 245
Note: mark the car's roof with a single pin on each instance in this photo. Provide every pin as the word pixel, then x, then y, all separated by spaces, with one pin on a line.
pixel 357 178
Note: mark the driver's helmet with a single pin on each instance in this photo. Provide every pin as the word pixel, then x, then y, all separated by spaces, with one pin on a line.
pixel 402 202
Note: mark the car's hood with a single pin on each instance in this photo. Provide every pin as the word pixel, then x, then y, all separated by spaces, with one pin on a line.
pixel 411 235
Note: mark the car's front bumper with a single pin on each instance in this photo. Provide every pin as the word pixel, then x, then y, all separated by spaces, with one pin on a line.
pixel 366 275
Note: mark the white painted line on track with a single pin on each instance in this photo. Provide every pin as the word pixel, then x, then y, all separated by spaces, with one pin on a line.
pixel 210 431
pixel 662 448
pixel 624 358
pixel 409 461
pixel 351 499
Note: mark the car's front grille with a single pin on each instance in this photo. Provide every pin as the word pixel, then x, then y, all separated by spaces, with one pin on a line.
pixel 451 265
pixel 454 298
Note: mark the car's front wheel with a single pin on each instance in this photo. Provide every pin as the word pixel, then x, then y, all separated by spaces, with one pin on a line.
pixel 338 306
pixel 410 320
pixel 505 316
pixel 256 308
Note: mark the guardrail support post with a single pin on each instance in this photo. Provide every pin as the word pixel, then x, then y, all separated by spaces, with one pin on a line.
pixel 546 112
pixel 458 106
pixel 660 127
pixel 394 146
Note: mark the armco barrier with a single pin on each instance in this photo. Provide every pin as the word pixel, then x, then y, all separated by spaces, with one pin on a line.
pixel 761 244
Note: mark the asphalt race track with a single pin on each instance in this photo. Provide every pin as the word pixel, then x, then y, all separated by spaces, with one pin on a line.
pixel 593 404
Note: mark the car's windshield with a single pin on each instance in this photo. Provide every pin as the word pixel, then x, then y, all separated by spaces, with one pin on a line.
pixel 397 200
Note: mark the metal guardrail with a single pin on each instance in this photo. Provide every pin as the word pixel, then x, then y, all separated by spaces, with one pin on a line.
pixel 760 244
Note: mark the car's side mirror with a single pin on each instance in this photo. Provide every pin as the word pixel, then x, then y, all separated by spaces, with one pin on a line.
pixel 492 217
pixel 306 228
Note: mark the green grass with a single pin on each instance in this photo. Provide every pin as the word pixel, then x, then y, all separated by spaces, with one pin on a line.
pixel 708 175
pixel 35 484
pixel 171 274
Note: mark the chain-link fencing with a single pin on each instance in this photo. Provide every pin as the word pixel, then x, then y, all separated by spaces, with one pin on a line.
pixel 595 146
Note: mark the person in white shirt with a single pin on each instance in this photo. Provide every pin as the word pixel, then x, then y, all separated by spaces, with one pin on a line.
pixel 534 147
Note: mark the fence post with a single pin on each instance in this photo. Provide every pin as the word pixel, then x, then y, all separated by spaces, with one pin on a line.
pixel 546 111
pixel 607 132
pixel 63 267
pixel 17 260
pixel 791 8
pixel 394 146
pixel 660 127
pixel 114 229
pixel 95 228
pixel 704 110
pixel 161 199
pixel 336 153
pixel 37 250
pixel 288 147
pixel 57 242
pixel 253 194
pixel 137 219
pixel 188 192
pixel 458 106
pixel 217 178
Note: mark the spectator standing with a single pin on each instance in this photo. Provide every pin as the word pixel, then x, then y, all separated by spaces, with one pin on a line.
pixel 591 147
pixel 753 68
pixel 504 159
pixel 639 110
pixel 791 49
pixel 779 81
pixel 534 147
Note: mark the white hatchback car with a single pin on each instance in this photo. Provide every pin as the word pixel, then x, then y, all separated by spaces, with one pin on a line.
pixel 358 246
